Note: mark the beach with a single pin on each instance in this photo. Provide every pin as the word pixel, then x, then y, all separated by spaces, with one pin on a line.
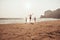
pixel 48 30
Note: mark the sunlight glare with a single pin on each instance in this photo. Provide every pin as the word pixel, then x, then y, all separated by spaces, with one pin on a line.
pixel 28 5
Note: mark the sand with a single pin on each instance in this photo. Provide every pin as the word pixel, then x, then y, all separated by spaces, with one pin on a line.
pixel 49 30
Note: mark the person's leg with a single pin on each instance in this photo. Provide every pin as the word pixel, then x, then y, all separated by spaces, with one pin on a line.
pixel 30 20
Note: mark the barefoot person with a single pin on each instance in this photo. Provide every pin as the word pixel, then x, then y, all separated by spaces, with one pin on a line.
pixel 34 19
pixel 26 19
pixel 30 17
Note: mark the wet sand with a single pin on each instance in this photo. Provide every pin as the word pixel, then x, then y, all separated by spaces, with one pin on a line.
pixel 49 30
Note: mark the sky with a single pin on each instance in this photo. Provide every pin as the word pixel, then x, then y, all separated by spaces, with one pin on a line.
pixel 22 8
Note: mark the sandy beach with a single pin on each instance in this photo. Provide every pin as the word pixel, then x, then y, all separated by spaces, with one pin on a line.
pixel 49 30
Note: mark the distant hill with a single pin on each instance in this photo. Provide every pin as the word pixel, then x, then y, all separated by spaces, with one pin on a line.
pixel 51 14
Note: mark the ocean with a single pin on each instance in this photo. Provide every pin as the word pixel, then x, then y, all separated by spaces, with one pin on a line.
pixel 18 20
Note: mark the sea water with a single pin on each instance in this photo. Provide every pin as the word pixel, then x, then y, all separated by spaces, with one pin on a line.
pixel 9 21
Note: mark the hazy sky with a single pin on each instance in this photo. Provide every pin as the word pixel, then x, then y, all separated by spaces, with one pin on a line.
pixel 22 8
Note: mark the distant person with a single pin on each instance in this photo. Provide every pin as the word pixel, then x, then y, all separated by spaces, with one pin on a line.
pixel 34 19
pixel 30 17
pixel 26 19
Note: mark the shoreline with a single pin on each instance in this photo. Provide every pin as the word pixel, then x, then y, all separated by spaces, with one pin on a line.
pixel 29 23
